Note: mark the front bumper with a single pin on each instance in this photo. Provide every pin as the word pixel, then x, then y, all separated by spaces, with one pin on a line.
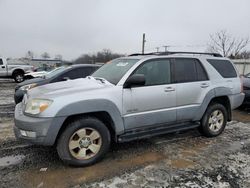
pixel 43 131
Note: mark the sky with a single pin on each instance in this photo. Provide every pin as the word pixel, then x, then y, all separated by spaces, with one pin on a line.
pixel 75 27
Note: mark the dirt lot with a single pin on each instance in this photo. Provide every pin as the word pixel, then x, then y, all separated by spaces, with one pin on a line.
pixel 184 159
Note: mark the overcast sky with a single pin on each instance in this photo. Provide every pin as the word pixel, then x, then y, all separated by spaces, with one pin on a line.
pixel 74 27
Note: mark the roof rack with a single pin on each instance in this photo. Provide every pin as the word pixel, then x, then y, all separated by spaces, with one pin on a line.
pixel 171 53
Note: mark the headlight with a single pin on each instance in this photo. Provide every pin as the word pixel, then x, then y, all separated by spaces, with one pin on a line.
pixel 36 106
pixel 28 87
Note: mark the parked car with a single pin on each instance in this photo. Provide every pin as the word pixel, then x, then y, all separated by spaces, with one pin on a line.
pixel 13 70
pixel 246 90
pixel 130 98
pixel 56 75
pixel 38 72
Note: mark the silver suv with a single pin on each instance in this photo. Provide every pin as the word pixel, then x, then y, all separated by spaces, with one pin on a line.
pixel 130 98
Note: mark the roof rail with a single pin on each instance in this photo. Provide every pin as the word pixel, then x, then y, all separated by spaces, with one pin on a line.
pixel 171 53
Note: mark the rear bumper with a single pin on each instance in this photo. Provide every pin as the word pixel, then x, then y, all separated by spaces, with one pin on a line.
pixel 236 100
pixel 247 98
pixel 41 131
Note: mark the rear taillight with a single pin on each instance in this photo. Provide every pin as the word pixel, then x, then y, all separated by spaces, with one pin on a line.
pixel 241 84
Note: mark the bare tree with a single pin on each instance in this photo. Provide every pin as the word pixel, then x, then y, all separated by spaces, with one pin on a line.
pixel 244 55
pixel 30 54
pixel 45 55
pixel 223 43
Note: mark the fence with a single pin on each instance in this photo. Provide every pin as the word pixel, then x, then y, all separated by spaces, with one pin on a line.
pixel 243 65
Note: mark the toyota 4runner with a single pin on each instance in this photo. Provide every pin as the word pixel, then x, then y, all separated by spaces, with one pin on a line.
pixel 129 98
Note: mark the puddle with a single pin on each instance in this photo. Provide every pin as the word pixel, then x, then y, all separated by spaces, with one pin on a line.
pixel 11 160
pixel 182 163
pixel 69 176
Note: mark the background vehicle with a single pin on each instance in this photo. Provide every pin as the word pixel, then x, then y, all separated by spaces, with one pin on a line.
pixel 38 72
pixel 130 98
pixel 246 90
pixel 56 75
pixel 15 71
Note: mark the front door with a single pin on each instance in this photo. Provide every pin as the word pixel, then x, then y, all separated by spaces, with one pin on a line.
pixel 3 68
pixel 154 103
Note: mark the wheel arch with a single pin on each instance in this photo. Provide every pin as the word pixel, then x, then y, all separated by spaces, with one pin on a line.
pixel 218 95
pixel 101 115
pixel 17 70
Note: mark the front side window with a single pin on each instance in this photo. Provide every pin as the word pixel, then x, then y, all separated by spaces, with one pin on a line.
pixel 114 70
pixel 1 62
pixel 55 72
pixel 156 72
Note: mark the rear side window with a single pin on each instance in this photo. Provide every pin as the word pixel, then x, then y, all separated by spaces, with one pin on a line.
pixel 1 62
pixel 224 67
pixel 188 70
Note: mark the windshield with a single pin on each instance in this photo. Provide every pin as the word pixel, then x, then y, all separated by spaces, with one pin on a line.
pixel 55 72
pixel 114 70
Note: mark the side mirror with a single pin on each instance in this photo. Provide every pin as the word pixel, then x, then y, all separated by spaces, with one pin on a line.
pixel 65 78
pixel 135 80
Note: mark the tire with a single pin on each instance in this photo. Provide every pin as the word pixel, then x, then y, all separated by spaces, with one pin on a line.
pixel 75 146
pixel 18 76
pixel 214 120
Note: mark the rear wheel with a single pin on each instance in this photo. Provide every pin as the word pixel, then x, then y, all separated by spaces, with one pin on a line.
pixel 214 120
pixel 18 76
pixel 83 142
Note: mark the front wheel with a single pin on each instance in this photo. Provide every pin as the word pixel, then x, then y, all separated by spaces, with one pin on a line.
pixel 83 142
pixel 214 120
pixel 18 77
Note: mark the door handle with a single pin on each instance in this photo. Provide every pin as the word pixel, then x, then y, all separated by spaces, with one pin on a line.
pixel 3 66
pixel 204 85
pixel 169 89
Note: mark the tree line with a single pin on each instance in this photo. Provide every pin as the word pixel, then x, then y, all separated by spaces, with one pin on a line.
pixel 100 57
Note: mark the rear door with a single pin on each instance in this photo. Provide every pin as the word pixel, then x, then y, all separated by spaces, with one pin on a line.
pixel 192 85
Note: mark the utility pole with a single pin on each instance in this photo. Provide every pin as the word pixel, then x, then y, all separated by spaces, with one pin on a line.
pixel 143 43
pixel 166 48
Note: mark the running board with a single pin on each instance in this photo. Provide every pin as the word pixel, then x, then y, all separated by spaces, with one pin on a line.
pixel 149 132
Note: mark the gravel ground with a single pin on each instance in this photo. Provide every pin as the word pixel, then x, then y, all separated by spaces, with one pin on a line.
pixel 184 159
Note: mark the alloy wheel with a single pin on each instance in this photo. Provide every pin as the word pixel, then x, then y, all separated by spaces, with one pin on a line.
pixel 85 143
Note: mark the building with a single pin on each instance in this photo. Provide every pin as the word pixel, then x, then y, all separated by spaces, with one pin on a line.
pixel 243 65
pixel 45 62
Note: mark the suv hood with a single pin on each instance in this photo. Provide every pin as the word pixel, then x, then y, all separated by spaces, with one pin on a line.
pixel 67 88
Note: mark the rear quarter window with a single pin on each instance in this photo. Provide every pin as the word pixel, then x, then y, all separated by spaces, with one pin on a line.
pixel 224 67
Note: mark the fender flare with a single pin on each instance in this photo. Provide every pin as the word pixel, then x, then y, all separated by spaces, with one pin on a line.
pixel 216 92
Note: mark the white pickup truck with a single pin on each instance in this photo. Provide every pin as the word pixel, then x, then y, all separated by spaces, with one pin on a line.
pixel 14 70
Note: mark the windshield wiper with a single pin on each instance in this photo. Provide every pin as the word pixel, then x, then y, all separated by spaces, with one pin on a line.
pixel 100 79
